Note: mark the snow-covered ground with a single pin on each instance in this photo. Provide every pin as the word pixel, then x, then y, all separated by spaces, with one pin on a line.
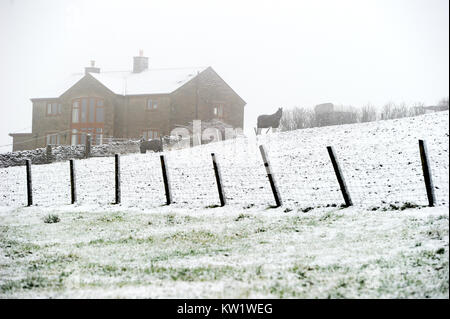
pixel 309 247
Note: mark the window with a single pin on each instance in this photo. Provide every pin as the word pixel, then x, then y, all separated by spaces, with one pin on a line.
pixel 53 139
pixel 100 114
pixel 150 134
pixel 98 137
pixel 88 117
pixel 80 136
pixel 152 104
pixel 218 110
pixel 75 112
pixel 74 137
pixel 83 110
pixel 53 108
pixel 91 110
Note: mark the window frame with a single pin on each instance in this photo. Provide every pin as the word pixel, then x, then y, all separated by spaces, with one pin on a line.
pixel 79 128
pixel 154 131
pixel 154 102
pixel 50 135
pixel 51 105
pixel 220 107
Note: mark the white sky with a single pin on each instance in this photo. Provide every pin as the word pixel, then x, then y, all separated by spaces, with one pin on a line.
pixel 272 53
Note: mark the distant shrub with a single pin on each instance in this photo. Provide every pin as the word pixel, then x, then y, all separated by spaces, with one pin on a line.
pixel 51 219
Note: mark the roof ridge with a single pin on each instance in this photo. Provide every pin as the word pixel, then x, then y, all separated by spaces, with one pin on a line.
pixel 152 69
pixel 150 81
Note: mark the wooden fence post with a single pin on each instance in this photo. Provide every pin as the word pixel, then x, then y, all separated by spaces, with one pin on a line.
pixel 29 184
pixel 427 173
pixel 73 182
pixel 340 177
pixel 218 180
pixel 165 174
pixel 162 143
pixel 273 185
pixel 48 154
pixel 117 177
pixel 87 150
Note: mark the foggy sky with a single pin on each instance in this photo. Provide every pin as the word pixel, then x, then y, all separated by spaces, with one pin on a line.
pixel 272 53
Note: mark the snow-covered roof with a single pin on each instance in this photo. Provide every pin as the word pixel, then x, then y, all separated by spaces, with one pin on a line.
pixel 151 81
pixel 55 89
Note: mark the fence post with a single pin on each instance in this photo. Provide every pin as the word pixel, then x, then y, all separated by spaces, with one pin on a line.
pixel 73 185
pixel 165 174
pixel 340 177
pixel 273 185
pixel 48 154
pixel 117 177
pixel 87 150
pixel 29 184
pixel 427 173
pixel 218 180
pixel 162 143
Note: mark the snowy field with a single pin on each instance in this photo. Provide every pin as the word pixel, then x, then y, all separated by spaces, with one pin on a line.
pixel 387 246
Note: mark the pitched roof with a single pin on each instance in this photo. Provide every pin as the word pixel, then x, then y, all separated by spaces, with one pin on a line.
pixel 152 81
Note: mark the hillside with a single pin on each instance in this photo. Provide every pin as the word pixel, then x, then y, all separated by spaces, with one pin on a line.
pixel 308 248
pixel 380 161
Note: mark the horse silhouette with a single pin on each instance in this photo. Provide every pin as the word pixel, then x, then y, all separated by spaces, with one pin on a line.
pixel 152 145
pixel 267 121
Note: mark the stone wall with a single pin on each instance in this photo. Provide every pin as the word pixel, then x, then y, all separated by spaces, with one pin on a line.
pixel 66 152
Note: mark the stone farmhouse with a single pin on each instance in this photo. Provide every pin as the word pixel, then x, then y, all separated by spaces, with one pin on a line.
pixel 144 102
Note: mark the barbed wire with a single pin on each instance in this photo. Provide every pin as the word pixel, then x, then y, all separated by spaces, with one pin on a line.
pixel 303 181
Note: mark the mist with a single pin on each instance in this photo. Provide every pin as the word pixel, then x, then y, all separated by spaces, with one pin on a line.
pixel 272 53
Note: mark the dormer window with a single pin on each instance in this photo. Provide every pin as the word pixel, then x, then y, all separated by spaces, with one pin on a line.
pixel 152 104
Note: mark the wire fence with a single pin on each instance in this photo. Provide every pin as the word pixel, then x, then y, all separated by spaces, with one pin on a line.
pixel 374 176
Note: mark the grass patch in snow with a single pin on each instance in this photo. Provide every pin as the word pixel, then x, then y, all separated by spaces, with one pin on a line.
pixel 51 219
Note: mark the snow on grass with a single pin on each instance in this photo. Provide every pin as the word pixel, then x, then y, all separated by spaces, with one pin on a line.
pixel 388 246
pixel 224 253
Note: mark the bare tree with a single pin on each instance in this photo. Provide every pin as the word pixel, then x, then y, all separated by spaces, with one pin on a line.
pixel 443 103
pixel 297 118
pixel 386 112
pixel 417 108
pixel 368 113
pixel 286 121
pixel 300 117
pixel 394 111
pixel 401 110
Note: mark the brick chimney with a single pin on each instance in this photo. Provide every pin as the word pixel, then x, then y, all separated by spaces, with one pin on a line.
pixel 92 68
pixel 140 63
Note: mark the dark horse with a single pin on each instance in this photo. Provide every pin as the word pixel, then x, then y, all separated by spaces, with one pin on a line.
pixel 267 121
pixel 152 145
